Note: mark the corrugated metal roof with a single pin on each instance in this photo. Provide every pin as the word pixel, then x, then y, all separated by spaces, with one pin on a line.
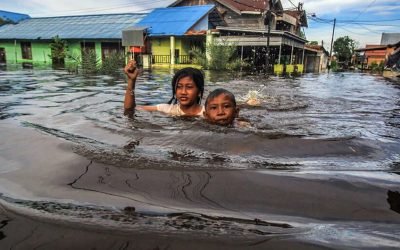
pixel 236 5
pixel 390 38
pixel 12 16
pixel 107 26
pixel 174 20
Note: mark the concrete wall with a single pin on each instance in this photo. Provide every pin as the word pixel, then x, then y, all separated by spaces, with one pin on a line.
pixel 162 46
pixel 41 51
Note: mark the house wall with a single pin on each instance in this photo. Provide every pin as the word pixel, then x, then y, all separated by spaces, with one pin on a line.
pixel 231 18
pixel 377 56
pixel 41 51
pixel 11 50
pixel 323 61
pixel 162 46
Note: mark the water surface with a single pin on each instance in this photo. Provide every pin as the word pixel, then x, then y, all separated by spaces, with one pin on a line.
pixel 317 168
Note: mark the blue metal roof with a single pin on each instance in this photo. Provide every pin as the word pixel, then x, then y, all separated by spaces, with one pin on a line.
pixel 107 26
pixel 174 20
pixel 12 16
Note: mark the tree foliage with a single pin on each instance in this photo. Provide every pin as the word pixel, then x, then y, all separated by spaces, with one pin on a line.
pixel 59 50
pixel 88 63
pixel 218 56
pixel 344 48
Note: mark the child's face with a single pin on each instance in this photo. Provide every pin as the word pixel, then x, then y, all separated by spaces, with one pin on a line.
pixel 221 110
pixel 186 91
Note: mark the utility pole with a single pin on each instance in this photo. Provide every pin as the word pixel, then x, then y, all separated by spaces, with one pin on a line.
pixel 330 52
pixel 268 18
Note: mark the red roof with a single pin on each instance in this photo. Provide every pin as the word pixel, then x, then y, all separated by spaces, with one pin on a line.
pixel 247 5
pixel 236 5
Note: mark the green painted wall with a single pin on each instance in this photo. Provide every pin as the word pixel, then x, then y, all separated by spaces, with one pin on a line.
pixel 74 48
pixel 10 50
pixel 162 46
pixel 41 51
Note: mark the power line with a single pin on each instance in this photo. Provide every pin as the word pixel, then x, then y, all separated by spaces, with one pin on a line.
pixel 363 11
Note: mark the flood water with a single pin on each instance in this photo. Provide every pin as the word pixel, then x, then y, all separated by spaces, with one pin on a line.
pixel 318 167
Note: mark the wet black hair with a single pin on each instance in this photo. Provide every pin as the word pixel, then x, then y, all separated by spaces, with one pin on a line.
pixel 195 74
pixel 217 92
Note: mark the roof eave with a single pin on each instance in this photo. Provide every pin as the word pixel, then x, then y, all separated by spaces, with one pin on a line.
pixel 251 12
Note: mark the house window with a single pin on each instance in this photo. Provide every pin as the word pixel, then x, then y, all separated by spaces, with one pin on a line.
pixel 87 47
pixel 26 50
pixel 109 48
pixel 2 55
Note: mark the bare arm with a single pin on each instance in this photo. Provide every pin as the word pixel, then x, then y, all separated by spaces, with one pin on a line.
pixel 147 108
pixel 131 72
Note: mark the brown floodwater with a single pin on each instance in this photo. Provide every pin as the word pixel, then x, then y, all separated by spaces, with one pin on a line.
pixel 318 167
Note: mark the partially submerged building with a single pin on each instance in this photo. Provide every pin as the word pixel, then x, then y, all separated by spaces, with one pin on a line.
pixel 28 41
pixel 316 59
pixel 247 28
pixel 379 53
pixel 171 33
pixel 167 35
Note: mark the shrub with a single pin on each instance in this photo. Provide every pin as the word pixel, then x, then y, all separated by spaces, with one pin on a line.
pixel 59 49
pixel 90 62
pixel 377 68
pixel 334 66
pixel 220 56
pixel 113 63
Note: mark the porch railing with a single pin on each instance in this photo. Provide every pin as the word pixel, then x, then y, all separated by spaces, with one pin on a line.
pixel 185 59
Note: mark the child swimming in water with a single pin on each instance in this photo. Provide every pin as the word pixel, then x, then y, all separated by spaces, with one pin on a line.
pixel 187 92
pixel 220 107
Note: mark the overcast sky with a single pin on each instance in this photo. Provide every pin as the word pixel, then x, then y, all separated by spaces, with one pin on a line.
pixel 362 20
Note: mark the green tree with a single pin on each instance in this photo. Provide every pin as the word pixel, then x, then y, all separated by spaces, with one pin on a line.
pixel 59 50
pixel 344 48
pixel 218 56
pixel 313 43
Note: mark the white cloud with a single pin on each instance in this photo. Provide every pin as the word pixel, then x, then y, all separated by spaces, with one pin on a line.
pixel 361 34
pixel 37 8
pixel 334 7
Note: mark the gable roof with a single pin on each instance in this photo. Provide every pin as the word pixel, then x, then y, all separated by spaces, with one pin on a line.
pixel 106 26
pixel 390 38
pixel 241 6
pixel 12 16
pixel 174 21
pixel 316 47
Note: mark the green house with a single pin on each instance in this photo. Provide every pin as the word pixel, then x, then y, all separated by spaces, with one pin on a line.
pixel 172 32
pixel 29 40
